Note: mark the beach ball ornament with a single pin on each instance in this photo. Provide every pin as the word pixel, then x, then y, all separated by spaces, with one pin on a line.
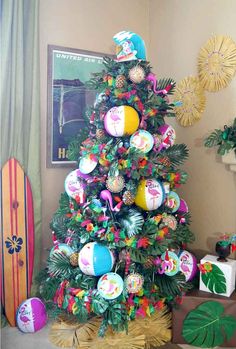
pixel 87 163
pixel 188 264
pixel 75 186
pixel 130 46
pixel 110 286
pixel 183 207
pixel 170 264
pixel 168 136
pixel 150 194
pixel 172 201
pixel 121 121
pixel 95 259
pixel 31 315
pixel 61 248
pixel 142 140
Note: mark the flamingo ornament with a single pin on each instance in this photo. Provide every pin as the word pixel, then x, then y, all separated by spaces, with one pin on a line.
pixel 106 196
pixel 152 78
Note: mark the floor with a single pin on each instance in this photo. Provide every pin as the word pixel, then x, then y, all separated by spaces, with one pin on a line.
pixel 12 338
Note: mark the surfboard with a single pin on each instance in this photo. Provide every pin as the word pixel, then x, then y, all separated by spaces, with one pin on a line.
pixel 16 238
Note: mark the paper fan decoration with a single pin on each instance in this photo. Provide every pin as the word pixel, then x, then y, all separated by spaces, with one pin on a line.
pixel 190 96
pixel 217 63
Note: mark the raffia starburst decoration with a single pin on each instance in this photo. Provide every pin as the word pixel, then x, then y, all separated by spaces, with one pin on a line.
pixel 190 95
pixel 217 63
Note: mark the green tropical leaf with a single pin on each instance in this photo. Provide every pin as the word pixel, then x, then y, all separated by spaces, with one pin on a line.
pixel 131 221
pixel 177 154
pixel 214 280
pixel 170 285
pixel 215 138
pixel 59 265
pixel 137 255
pixel 206 326
pixel 99 304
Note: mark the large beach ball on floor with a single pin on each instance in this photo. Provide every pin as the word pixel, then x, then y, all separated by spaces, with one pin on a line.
pixel 31 315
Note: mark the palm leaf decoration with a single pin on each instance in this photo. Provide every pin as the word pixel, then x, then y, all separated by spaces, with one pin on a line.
pixel 170 285
pixel 132 222
pixel 177 154
pixel 156 328
pixel 60 265
pixel 206 326
pixel 214 280
pixel 63 334
pixel 215 138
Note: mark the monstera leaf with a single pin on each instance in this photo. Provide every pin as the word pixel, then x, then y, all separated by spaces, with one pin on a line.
pixel 214 280
pixel 207 326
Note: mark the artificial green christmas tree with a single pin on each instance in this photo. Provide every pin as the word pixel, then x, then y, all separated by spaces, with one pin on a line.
pixel 121 227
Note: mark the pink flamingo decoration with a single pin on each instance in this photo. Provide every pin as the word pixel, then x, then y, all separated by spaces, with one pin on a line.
pixel 106 196
pixel 115 118
pixel 183 265
pixel 23 317
pixel 152 78
pixel 154 192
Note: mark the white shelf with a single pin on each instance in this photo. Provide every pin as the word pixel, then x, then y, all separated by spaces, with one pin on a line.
pixel 230 159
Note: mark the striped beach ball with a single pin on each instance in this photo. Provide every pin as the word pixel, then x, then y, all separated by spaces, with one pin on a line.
pixel 95 259
pixel 150 194
pixel 121 121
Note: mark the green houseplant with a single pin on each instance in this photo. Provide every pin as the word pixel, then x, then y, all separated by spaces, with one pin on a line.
pixel 225 139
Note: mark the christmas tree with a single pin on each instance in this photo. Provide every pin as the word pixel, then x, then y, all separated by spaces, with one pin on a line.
pixel 120 227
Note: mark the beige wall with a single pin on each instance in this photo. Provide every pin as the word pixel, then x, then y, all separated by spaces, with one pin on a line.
pixel 178 29
pixel 83 24
pixel 174 31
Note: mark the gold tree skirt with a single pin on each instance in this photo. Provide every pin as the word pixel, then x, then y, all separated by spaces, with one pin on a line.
pixel 217 63
pixel 145 333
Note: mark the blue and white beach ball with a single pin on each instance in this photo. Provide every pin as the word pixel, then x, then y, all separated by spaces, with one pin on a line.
pixel 95 259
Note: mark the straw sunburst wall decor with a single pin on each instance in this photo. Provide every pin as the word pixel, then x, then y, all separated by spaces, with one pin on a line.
pixel 217 63
pixel 190 94
pixel 143 333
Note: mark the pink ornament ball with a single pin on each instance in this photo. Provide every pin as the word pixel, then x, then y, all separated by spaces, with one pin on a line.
pixel 31 315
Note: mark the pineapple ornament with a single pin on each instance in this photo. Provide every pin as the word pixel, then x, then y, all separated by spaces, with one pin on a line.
pixel 115 184
pixel 149 263
pixel 120 81
pixel 128 198
pixel 100 133
pixel 137 74
pixel 74 259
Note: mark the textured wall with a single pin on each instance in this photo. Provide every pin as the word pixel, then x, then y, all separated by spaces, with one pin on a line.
pixel 88 25
pixel 178 29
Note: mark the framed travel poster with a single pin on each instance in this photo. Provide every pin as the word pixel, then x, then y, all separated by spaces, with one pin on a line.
pixel 68 97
